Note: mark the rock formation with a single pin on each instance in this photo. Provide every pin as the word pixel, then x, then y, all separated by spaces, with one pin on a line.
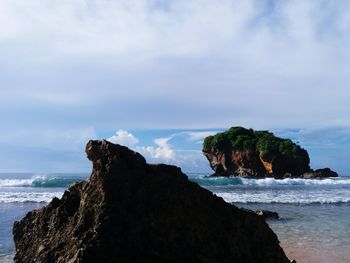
pixel 320 173
pixel 131 211
pixel 245 152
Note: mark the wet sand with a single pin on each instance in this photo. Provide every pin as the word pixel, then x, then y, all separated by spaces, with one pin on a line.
pixel 309 253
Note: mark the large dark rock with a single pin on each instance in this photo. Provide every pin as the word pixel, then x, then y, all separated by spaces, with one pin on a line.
pixel 131 211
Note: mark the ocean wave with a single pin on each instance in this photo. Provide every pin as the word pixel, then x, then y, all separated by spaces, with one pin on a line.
pixel 285 198
pixel 288 191
pixel 230 181
pixel 25 197
pixel 39 181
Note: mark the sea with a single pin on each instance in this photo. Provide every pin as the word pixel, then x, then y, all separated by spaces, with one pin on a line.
pixel 314 224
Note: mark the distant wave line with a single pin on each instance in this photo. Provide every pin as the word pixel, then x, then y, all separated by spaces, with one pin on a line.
pixel 230 181
pixel 40 181
pixel 282 199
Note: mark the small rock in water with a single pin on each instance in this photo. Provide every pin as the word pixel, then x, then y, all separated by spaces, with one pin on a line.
pixel 267 214
pixel 320 174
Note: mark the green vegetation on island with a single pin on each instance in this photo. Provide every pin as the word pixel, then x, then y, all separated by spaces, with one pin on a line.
pixel 266 143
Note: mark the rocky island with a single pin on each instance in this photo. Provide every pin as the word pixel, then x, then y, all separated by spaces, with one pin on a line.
pixel 246 152
pixel 131 211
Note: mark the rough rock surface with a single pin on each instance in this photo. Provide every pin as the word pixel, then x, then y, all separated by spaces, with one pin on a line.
pixel 248 164
pixel 131 211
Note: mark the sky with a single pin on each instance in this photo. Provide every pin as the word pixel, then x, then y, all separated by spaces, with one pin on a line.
pixel 163 74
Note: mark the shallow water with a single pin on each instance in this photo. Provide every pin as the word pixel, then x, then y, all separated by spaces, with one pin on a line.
pixel 311 232
pixel 315 214
pixel 11 212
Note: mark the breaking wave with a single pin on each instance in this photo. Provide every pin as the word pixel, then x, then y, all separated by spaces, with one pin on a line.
pixel 40 181
pixel 270 190
pixel 227 181
pixel 286 198
pixel 28 197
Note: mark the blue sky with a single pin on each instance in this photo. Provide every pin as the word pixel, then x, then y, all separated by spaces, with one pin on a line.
pixel 81 69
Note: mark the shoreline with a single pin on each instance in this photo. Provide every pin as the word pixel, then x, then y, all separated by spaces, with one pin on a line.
pixel 309 253
pixel 317 233
pixel 300 252
pixel 308 233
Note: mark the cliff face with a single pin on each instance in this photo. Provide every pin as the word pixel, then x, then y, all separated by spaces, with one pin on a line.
pixel 244 152
pixel 130 211
pixel 242 163
pixel 250 164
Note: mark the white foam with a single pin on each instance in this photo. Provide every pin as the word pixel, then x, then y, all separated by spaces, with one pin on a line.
pixel 20 182
pixel 295 181
pixel 22 197
pixel 288 197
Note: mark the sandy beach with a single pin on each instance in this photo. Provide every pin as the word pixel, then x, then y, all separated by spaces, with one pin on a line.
pixel 309 253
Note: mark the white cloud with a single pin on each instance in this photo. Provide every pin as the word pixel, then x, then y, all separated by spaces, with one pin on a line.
pixel 244 30
pixel 70 64
pixel 75 137
pixel 248 59
pixel 124 138
pixel 58 139
pixel 194 136
pixel 121 27
pixel 162 151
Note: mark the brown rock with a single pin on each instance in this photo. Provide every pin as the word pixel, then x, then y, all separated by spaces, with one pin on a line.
pixel 241 163
pixel 249 164
pixel 320 173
